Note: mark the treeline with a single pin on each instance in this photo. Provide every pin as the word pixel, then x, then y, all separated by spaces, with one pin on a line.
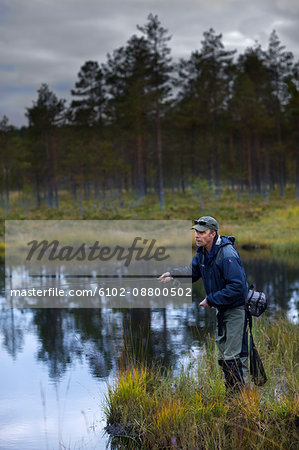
pixel 141 122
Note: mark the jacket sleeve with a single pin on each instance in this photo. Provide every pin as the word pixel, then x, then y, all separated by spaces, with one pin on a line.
pixel 192 270
pixel 234 284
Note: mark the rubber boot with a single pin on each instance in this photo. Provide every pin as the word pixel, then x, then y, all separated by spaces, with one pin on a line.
pixel 233 374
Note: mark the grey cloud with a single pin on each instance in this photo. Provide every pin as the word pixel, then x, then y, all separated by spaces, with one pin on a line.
pixel 48 41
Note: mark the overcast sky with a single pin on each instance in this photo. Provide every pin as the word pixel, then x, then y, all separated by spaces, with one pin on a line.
pixel 47 41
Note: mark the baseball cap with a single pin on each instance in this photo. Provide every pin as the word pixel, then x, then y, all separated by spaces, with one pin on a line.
pixel 205 223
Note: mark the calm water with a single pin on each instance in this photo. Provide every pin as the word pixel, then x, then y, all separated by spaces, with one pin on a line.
pixel 55 364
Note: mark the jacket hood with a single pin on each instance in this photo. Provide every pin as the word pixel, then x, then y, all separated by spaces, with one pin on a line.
pixel 225 240
pixel 221 241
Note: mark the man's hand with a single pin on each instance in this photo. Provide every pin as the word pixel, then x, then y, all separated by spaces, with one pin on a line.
pixel 165 277
pixel 205 304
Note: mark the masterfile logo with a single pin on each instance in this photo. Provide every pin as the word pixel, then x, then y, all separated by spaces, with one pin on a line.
pixel 85 263
pixel 96 252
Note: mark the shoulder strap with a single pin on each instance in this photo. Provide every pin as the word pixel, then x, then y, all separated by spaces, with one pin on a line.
pixel 249 316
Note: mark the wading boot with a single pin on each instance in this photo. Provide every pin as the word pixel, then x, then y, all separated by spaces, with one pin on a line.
pixel 233 374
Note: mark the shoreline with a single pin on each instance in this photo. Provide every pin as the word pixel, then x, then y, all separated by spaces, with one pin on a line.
pixel 147 407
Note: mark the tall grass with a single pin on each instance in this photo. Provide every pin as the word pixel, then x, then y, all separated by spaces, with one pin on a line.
pixel 256 224
pixel 148 408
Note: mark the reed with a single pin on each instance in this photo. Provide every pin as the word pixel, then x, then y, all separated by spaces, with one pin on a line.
pixel 147 407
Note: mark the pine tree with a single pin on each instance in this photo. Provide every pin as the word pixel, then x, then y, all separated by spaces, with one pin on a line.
pixel 292 121
pixel 46 114
pixel 126 74
pixel 8 156
pixel 160 70
pixel 87 108
pixel 251 120
pixel 280 64
pixel 204 82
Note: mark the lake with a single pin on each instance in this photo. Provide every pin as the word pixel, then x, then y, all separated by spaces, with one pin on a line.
pixel 55 363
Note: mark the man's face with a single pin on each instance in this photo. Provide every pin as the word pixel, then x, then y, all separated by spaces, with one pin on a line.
pixel 205 238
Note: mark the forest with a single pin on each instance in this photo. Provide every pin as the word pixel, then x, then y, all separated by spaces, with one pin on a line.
pixel 147 136
pixel 142 123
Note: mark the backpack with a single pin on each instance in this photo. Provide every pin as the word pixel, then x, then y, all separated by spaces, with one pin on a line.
pixel 256 302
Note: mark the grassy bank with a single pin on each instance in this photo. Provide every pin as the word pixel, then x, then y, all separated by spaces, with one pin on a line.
pixel 148 409
pixel 273 225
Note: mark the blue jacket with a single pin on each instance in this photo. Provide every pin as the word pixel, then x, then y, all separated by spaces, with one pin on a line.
pixel 222 273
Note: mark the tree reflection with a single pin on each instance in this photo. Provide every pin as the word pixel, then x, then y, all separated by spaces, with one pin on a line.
pixel 11 324
pixel 277 279
pixel 58 345
pixel 12 329
pixel 107 339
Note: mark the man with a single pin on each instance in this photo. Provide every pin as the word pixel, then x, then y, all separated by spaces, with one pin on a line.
pixel 219 265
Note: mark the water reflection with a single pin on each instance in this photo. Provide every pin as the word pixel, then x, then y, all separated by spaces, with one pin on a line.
pixel 95 342
pixel 106 337
pixel 12 330
pixel 279 280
